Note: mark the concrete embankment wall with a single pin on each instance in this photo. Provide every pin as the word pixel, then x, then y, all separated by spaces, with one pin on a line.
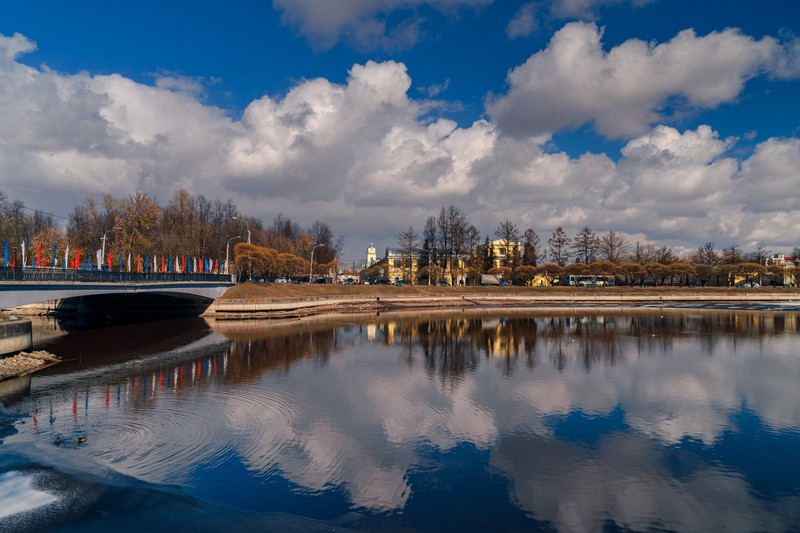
pixel 15 335
pixel 242 308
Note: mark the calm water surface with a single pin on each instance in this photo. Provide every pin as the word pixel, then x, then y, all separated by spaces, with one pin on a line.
pixel 566 420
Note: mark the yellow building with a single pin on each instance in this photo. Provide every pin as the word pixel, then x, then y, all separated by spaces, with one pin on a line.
pixel 503 252
pixel 400 265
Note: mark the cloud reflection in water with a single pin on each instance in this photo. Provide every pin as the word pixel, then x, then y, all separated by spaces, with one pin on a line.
pixel 350 406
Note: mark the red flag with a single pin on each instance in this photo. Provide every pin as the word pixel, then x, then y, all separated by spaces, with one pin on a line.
pixel 110 265
pixel 163 267
pixel 138 262
pixel 77 260
pixel 216 265
pixel 39 255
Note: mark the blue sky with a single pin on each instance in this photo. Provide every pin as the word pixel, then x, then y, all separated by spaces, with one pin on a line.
pixel 672 122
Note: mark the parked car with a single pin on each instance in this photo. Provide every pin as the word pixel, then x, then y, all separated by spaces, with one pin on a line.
pixel 281 280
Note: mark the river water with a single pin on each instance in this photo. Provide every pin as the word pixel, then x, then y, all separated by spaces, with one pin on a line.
pixel 516 420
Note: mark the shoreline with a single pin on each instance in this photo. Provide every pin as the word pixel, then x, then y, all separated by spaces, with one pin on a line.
pixel 278 302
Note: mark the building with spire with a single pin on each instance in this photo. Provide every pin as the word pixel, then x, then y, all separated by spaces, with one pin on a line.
pixel 372 256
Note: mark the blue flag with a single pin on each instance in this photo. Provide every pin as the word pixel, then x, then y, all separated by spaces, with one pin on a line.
pixel 146 264
pixel 55 259
pixel 169 264
pixel 120 262
pixel 5 252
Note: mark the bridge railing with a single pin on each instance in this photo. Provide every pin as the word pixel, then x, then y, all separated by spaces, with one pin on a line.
pixel 104 276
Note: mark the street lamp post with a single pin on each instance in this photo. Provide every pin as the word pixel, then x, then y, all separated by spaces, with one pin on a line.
pixel 246 224
pixel 249 265
pixel 103 249
pixel 311 268
pixel 227 250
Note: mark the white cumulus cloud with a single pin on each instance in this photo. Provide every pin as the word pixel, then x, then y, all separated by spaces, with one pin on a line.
pixel 368 158
pixel 574 81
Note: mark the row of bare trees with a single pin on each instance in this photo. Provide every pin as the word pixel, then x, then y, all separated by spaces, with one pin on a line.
pixel 449 235
pixel 19 224
pixel 188 225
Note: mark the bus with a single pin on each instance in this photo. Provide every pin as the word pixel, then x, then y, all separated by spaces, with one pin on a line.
pixel 589 280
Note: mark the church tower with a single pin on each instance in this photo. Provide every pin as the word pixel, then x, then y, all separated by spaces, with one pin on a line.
pixel 372 256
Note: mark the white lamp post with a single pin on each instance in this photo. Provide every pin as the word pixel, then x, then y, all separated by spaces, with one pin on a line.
pixel 311 268
pixel 227 250
pixel 247 225
pixel 103 249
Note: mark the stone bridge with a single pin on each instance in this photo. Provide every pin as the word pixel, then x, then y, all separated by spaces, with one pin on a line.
pixel 134 292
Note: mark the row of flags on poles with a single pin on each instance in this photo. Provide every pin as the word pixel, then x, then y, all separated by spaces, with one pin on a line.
pixel 144 264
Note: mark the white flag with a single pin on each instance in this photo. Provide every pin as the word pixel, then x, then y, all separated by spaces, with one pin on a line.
pixel 129 261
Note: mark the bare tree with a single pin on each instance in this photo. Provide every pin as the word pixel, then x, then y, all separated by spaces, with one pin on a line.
pixel 559 245
pixel 13 221
pixel 612 247
pixel 469 249
pixel 584 245
pixel 707 255
pixel 507 232
pixel 284 235
pixel 178 224
pixel 88 222
pixel 732 254
pixel 759 255
pixel 323 234
pixel 452 228
pixel 408 242
pixel 663 255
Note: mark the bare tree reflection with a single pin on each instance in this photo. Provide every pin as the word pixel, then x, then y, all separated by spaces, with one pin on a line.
pixel 448 346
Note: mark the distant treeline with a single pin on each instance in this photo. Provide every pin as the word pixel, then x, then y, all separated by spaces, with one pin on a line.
pixel 192 225
pixel 188 225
